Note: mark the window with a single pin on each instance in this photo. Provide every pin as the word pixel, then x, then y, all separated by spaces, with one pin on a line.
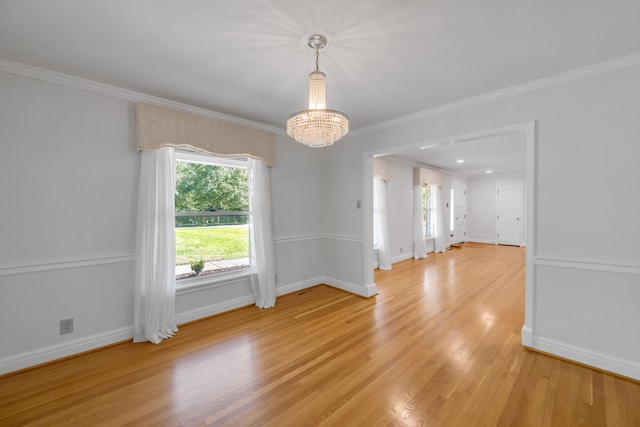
pixel 427 211
pixel 212 215
pixel 452 222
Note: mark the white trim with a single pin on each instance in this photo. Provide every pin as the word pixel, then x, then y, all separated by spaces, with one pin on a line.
pixel 352 239
pixel 58 351
pixel 305 237
pixel 587 265
pixel 297 238
pixel 403 257
pixel 594 70
pixel 589 71
pixel 125 94
pixel 215 280
pixel 526 336
pixel 625 367
pixel 363 291
pixel 203 312
pixel 196 157
pixel 368 256
pixel 12 270
pixel 69 348
pixel 298 286
pixel 213 309
pixel 474 240
pixel 531 136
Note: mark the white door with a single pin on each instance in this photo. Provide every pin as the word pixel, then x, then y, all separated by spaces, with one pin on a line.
pixel 459 213
pixel 509 214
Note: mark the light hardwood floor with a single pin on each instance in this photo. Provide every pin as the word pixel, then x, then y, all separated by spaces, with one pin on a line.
pixel 439 345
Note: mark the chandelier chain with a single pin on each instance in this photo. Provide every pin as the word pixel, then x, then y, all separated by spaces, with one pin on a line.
pixel 317 59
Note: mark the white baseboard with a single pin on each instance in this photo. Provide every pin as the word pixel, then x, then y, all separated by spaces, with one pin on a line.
pixel 370 290
pixel 402 257
pixel 210 310
pixel 598 360
pixel 298 286
pixel 527 336
pixel 57 351
pixel 490 242
pixel 363 291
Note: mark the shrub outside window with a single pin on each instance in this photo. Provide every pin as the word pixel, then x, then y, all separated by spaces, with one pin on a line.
pixel 212 215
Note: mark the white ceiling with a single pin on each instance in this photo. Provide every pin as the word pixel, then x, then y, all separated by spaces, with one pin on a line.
pixel 502 154
pixel 385 58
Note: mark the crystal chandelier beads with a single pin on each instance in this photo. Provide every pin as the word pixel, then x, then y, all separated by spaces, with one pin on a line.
pixel 317 126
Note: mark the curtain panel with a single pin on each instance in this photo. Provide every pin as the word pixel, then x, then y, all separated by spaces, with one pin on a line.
pixel 438 208
pixel 158 132
pixel 381 222
pixel 419 250
pixel 263 269
pixel 158 127
pixel 154 288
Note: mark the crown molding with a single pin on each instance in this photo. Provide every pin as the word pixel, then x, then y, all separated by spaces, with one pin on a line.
pixel 125 94
pixel 582 73
pixel 589 71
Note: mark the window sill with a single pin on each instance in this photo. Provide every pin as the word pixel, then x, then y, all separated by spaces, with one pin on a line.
pixel 196 284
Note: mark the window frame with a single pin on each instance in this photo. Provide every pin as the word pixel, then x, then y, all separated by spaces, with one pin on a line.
pixel 221 278
pixel 428 212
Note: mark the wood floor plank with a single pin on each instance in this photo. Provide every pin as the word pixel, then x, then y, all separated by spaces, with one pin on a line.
pixel 439 345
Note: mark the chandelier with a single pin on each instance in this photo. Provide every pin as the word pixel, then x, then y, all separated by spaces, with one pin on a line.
pixel 317 126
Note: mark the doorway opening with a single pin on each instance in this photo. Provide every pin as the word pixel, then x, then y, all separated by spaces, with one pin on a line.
pixel 474 141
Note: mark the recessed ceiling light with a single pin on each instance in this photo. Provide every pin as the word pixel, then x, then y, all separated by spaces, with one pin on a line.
pixel 488 171
pixel 460 161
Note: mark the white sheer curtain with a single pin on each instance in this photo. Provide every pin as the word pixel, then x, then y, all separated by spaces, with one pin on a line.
pixel 420 250
pixel 154 293
pixel 263 278
pixel 438 212
pixel 381 222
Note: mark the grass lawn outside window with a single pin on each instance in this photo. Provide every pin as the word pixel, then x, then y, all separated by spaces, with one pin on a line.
pixel 221 247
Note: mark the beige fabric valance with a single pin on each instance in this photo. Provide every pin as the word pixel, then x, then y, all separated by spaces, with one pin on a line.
pixel 427 176
pixel 382 168
pixel 158 127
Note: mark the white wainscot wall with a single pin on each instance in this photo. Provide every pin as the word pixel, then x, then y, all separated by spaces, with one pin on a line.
pixel 583 309
pixel 96 293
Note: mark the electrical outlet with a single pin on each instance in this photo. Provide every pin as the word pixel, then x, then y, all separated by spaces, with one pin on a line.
pixel 358 204
pixel 66 326
pixel 401 249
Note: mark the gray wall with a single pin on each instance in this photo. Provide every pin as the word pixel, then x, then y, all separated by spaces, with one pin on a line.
pixel 68 188
pixel 585 162
pixel 481 206
pixel 68 181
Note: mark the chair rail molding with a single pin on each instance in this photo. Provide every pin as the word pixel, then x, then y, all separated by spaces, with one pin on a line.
pixel 586 265
pixel 12 270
